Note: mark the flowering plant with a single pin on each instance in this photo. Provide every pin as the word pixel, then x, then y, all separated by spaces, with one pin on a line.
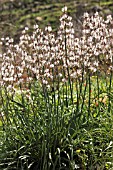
pixel 56 95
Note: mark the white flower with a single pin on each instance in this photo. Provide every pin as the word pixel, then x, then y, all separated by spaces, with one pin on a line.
pixel 9 87
pixel 36 26
pixel 2 39
pixel 52 66
pixel 60 75
pixel 49 29
pixel 86 15
pixel 11 79
pixel 63 80
pixel 93 69
pixel 1 42
pixel 64 9
pixel 19 74
pixel 44 82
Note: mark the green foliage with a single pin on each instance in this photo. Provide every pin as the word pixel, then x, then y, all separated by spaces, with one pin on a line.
pixel 46 130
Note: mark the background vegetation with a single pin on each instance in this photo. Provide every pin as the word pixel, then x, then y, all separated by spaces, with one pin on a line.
pixel 15 15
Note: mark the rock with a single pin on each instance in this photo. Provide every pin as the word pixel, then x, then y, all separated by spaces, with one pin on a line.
pixel 96 8
pixel 39 18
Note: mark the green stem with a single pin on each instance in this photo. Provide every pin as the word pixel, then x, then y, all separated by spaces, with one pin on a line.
pixel 110 85
pixel 69 79
pixel 84 94
pixel 77 103
pixel 89 100
pixel 98 90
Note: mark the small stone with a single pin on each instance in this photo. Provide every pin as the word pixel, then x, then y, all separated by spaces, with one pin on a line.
pixel 39 18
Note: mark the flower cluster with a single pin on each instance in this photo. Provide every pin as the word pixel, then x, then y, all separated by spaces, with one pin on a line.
pixel 49 58
pixel 98 37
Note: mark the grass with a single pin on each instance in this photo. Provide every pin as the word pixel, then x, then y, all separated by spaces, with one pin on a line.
pixel 52 135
